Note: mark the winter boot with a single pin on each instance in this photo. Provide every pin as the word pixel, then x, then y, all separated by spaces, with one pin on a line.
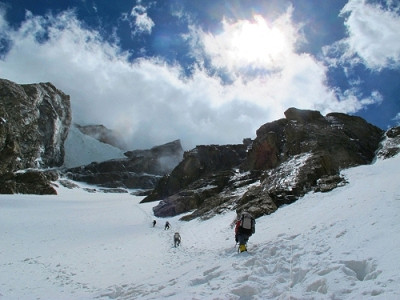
pixel 242 248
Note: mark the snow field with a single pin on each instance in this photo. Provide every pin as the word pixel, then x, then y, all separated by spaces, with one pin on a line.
pixel 79 245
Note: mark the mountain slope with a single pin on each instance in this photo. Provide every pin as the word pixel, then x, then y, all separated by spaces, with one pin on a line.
pixel 78 245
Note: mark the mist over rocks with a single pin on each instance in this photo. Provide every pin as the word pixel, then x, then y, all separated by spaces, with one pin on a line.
pixel 34 123
pixel 82 149
pixel 288 158
pixel 104 135
pixel 141 169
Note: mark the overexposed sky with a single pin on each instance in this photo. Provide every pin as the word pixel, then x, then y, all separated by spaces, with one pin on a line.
pixel 245 75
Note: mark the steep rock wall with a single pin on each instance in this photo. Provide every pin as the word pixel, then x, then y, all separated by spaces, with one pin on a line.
pixel 34 123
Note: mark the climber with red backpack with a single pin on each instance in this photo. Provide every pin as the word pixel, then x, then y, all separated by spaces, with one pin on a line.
pixel 245 227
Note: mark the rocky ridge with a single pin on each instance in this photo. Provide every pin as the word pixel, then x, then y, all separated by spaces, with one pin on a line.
pixel 303 152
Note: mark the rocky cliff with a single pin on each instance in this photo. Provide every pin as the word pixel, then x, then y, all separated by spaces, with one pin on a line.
pixel 305 151
pixel 34 123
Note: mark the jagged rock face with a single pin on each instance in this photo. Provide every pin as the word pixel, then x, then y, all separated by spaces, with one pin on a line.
pixel 306 151
pixel 289 157
pixel 342 140
pixel 193 196
pixel 391 143
pixel 142 169
pixel 103 134
pixel 198 163
pixel 34 123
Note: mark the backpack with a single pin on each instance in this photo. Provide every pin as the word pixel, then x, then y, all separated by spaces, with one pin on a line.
pixel 247 222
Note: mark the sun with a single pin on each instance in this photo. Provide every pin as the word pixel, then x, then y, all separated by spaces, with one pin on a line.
pixel 252 43
pixel 256 42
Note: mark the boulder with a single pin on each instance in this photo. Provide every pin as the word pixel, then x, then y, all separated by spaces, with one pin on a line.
pixel 29 182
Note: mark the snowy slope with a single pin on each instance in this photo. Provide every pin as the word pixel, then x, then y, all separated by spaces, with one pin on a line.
pixel 78 245
pixel 81 149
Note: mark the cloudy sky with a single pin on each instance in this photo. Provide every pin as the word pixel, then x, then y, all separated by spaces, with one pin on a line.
pixel 206 71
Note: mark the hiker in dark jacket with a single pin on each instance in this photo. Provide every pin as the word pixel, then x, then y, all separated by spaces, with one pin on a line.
pixel 167 225
pixel 244 228
pixel 177 239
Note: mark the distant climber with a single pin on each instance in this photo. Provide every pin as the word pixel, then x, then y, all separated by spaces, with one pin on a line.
pixel 154 223
pixel 167 225
pixel 245 227
pixel 177 239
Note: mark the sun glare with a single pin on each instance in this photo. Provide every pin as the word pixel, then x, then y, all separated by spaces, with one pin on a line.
pixel 251 44
pixel 256 42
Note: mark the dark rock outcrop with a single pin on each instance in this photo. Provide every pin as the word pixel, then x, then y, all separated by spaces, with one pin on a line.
pixel 142 169
pixel 199 181
pixel 342 141
pixel 289 157
pixel 29 182
pixel 34 123
pixel 201 162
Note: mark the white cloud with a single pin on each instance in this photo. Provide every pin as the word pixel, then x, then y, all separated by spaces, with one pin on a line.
pixel 254 44
pixel 138 20
pixel 373 36
pixel 285 78
pixel 352 100
pixel 152 102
